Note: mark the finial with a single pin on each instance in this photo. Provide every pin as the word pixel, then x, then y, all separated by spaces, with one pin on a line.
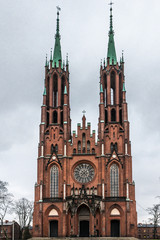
pixel 101 62
pixel 65 90
pixel 124 89
pixel 58 10
pixel 122 56
pixel 101 90
pixel 104 63
pixel 83 112
pixel 111 22
pixel 44 93
pixel 63 64
pixel 67 59
pixel 51 55
pixel 46 64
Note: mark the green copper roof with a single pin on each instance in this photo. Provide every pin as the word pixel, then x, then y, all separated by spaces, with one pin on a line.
pixel 111 46
pixel 57 47
pixel 65 90
pixel 101 89
pixel 124 89
pixel 44 93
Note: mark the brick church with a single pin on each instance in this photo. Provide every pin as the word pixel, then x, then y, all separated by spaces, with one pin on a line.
pixel 84 187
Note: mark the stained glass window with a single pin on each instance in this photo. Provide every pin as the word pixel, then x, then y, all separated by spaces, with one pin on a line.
pixel 54 181
pixel 114 180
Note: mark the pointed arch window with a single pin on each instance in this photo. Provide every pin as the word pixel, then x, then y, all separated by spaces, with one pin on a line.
pixel 56 148
pixel 62 90
pixel 47 91
pixel 79 146
pixel 113 115
pixel 47 119
pixel 55 117
pixel 88 146
pixel 55 91
pixel 62 118
pixel 106 117
pixel 114 180
pixel 84 142
pixel 120 116
pixel 113 88
pixel 52 149
pixel 54 181
pixel 120 88
pixel 105 89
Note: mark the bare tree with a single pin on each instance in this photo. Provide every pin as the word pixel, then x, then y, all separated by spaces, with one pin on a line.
pixel 23 208
pixel 155 219
pixel 6 202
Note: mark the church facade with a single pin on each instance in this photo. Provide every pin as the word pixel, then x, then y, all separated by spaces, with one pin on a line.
pixel 84 187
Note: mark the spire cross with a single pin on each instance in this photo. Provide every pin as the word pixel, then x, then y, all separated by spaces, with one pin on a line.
pixel 83 112
pixel 111 3
pixel 58 8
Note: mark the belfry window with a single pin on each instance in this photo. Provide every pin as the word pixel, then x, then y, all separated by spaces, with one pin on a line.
pixel 55 91
pixel 114 180
pixel 105 89
pixel 113 115
pixel 62 118
pixel 62 90
pixel 54 181
pixel 47 92
pixel 106 117
pixel 55 117
pixel 47 119
pixel 120 116
pixel 112 88
pixel 120 88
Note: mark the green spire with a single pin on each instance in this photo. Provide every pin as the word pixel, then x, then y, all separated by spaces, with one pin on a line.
pixel 111 46
pixel 44 93
pixel 57 47
pixel 101 89
pixel 124 89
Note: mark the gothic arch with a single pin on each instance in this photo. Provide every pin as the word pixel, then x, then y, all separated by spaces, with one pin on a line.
pixel 116 206
pixel 52 207
pixel 114 180
pixel 113 86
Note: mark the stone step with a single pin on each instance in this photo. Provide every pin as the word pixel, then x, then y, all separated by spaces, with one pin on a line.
pixel 84 238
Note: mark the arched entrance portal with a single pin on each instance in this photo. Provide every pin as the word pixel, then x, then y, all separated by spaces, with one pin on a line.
pixel 83 217
pixel 54 228
pixel 115 228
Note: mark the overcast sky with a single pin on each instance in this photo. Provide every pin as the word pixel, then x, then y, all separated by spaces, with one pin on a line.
pixel 27 30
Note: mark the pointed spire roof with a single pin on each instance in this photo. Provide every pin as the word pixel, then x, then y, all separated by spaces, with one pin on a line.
pixel 57 47
pixel 45 93
pixel 65 90
pixel 101 90
pixel 124 89
pixel 111 46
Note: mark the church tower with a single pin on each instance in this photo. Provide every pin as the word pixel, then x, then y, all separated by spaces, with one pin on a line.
pixel 84 188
